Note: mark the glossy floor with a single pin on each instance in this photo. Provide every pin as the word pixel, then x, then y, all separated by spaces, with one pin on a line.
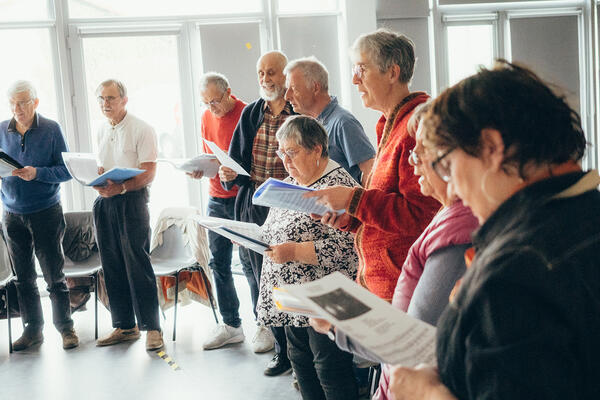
pixel 127 371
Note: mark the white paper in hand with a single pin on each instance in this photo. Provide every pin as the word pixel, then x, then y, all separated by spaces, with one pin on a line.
pixel 224 158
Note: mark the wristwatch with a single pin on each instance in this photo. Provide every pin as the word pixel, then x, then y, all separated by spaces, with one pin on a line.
pixel 331 333
pixel 124 189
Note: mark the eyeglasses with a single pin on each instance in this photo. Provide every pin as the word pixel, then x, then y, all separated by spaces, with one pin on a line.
pixel 214 103
pixel 291 154
pixel 414 157
pixel 358 70
pixel 20 104
pixel 107 99
pixel 442 168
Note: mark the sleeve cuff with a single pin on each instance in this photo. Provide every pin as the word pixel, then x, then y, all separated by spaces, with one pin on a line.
pixel 357 194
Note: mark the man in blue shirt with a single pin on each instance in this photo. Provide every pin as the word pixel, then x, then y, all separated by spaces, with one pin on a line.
pixel 308 91
pixel 33 218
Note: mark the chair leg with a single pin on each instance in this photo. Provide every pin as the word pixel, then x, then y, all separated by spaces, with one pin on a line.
pixel 10 347
pixel 176 300
pixel 209 293
pixel 95 278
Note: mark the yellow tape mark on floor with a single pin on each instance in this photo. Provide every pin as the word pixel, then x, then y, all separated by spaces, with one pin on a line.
pixel 166 358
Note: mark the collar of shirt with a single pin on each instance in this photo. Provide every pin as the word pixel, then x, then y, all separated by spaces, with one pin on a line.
pixel 287 109
pixel 12 125
pixel 328 110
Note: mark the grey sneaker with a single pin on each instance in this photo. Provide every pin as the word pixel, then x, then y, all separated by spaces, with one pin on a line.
pixel 154 340
pixel 69 339
pixel 263 340
pixel 27 340
pixel 118 336
pixel 223 334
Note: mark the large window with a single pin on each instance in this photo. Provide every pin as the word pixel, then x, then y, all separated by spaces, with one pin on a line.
pixel 149 67
pixel 155 8
pixel 469 46
pixel 23 10
pixel 28 56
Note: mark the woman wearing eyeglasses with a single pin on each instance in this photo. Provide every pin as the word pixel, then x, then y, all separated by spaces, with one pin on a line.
pixel 434 262
pixel 390 213
pixel 303 250
pixel 525 322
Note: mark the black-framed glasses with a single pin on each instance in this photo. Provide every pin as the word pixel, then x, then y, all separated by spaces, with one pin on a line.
pixel 414 158
pixel 442 168
pixel 214 103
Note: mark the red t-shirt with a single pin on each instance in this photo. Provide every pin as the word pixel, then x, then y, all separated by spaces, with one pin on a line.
pixel 220 130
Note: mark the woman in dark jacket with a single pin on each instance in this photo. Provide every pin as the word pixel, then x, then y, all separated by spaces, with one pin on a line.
pixel 525 321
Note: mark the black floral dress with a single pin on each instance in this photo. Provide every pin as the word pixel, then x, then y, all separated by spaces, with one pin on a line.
pixel 334 249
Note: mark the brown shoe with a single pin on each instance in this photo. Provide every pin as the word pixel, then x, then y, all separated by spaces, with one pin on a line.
pixel 27 340
pixel 118 336
pixel 154 340
pixel 70 339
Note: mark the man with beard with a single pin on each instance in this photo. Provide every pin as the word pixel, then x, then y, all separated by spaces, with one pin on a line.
pixel 254 147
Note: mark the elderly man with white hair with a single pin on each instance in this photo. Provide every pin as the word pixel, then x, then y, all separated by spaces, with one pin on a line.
pixel 307 82
pixel 33 219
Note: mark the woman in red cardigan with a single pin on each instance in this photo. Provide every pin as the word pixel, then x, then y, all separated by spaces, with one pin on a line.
pixel 390 212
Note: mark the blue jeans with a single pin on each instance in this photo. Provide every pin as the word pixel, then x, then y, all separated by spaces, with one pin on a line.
pixel 220 262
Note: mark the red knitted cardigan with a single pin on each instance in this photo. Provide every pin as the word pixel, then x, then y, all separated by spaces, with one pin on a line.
pixel 390 214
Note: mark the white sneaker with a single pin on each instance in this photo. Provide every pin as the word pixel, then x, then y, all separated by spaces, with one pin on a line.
pixel 263 340
pixel 223 334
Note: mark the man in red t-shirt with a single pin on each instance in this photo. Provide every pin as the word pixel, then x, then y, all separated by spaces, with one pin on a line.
pixel 218 122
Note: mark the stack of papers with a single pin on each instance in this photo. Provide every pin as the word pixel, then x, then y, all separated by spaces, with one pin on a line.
pixel 244 233
pixel 84 169
pixel 279 194
pixel 7 164
pixel 387 332
pixel 206 163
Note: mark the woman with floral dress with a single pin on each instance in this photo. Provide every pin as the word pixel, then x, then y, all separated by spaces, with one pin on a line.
pixel 303 250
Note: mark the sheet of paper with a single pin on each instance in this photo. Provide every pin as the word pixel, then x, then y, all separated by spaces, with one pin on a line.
pixel 224 158
pixel 6 169
pixel 386 331
pixel 246 234
pixel 279 194
pixel 207 163
pixel 82 166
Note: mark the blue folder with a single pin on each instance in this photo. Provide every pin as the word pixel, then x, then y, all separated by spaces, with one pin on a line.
pixel 117 175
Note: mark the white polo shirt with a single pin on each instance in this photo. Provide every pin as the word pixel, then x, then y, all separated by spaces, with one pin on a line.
pixel 128 144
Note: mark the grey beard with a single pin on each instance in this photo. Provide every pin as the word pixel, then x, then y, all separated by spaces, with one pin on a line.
pixel 272 96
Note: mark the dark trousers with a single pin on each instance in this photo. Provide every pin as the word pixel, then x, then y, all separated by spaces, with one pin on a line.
pixel 220 262
pixel 123 235
pixel 41 232
pixel 322 369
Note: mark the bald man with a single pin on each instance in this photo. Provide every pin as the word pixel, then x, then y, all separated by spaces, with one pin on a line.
pixel 254 147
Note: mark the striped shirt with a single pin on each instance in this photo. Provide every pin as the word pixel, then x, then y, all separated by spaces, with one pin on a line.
pixel 265 162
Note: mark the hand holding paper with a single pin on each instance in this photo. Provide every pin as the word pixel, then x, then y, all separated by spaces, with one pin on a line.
pixel 334 198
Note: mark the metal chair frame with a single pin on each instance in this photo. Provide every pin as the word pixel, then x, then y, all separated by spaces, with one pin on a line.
pixel 175 270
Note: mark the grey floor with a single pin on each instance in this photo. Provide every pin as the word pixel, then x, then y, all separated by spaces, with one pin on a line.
pixel 127 371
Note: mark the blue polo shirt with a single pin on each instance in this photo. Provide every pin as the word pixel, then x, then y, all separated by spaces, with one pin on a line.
pixel 348 143
pixel 39 147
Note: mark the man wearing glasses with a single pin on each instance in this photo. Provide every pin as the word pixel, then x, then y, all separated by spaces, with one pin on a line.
pixel 307 82
pixel 218 122
pixel 33 218
pixel 122 220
